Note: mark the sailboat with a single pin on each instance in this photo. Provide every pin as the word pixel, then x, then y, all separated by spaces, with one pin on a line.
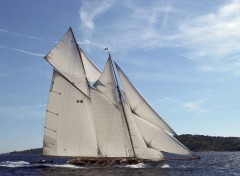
pixel 92 120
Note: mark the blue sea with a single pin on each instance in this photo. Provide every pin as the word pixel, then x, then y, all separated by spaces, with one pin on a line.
pixel 211 163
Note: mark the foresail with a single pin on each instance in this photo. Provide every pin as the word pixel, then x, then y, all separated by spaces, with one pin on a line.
pixel 112 136
pixel 65 58
pixel 92 71
pixel 107 84
pixel 69 128
pixel 139 105
pixel 141 149
pixel 158 139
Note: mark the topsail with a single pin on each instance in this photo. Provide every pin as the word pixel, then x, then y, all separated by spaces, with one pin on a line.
pixel 88 116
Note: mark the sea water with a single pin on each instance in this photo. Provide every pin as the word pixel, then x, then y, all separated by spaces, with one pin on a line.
pixel 211 163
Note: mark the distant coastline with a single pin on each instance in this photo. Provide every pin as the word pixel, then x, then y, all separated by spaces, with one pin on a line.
pixel 195 143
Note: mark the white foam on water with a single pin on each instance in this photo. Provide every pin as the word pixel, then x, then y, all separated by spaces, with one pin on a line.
pixel 165 166
pixel 63 166
pixel 15 164
pixel 139 165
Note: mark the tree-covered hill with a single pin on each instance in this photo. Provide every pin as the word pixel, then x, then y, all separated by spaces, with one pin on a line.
pixel 210 143
pixel 30 151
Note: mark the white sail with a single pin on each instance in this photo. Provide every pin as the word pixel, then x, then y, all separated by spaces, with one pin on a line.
pixel 141 149
pixel 112 136
pixel 92 71
pixel 99 121
pixel 158 139
pixel 65 58
pixel 69 128
pixel 107 84
pixel 139 105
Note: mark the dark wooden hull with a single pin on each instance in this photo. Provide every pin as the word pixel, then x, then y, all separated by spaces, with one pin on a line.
pixel 108 162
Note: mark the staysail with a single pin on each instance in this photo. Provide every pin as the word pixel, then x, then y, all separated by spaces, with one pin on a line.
pixel 110 124
pixel 107 84
pixel 141 149
pixel 69 128
pixel 92 71
pixel 112 136
pixel 139 105
pixel 158 139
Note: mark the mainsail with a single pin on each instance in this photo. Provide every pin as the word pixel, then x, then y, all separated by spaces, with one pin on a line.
pixel 69 128
pixel 88 116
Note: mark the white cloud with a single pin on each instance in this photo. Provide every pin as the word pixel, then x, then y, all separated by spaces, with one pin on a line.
pixel 209 38
pixel 91 9
pixel 215 34
pixel 167 99
pixel 194 106
pixel 191 105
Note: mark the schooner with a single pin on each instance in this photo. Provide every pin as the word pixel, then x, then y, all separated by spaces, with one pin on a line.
pixel 88 116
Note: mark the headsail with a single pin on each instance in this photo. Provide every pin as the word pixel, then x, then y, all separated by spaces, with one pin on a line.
pixel 111 130
pixel 65 58
pixel 141 149
pixel 158 139
pixel 107 84
pixel 140 106
pixel 69 128
pixel 92 71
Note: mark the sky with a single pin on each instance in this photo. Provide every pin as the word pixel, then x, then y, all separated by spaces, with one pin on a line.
pixel 183 56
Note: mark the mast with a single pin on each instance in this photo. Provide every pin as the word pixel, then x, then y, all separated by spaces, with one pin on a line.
pixel 80 56
pixel 121 102
pixel 84 70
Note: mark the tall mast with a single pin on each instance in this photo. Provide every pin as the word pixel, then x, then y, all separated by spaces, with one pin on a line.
pixel 80 56
pixel 121 102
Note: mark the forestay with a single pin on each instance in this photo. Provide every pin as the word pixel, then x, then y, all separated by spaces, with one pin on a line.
pixel 69 128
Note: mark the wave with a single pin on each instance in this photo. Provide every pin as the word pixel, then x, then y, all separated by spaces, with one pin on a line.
pixel 147 165
pixel 14 164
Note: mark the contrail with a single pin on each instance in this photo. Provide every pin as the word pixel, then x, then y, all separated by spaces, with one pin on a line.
pixel 22 51
pixel 18 34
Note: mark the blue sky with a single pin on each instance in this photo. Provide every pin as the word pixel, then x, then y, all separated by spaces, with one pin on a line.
pixel 183 56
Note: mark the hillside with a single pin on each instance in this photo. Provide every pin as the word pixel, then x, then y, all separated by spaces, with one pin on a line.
pixel 193 142
pixel 30 151
pixel 210 143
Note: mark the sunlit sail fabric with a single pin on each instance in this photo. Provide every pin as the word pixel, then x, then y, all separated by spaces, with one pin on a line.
pixel 158 139
pixel 92 71
pixel 107 84
pixel 98 120
pixel 140 147
pixel 69 128
pixel 112 135
pixel 139 105
pixel 65 58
